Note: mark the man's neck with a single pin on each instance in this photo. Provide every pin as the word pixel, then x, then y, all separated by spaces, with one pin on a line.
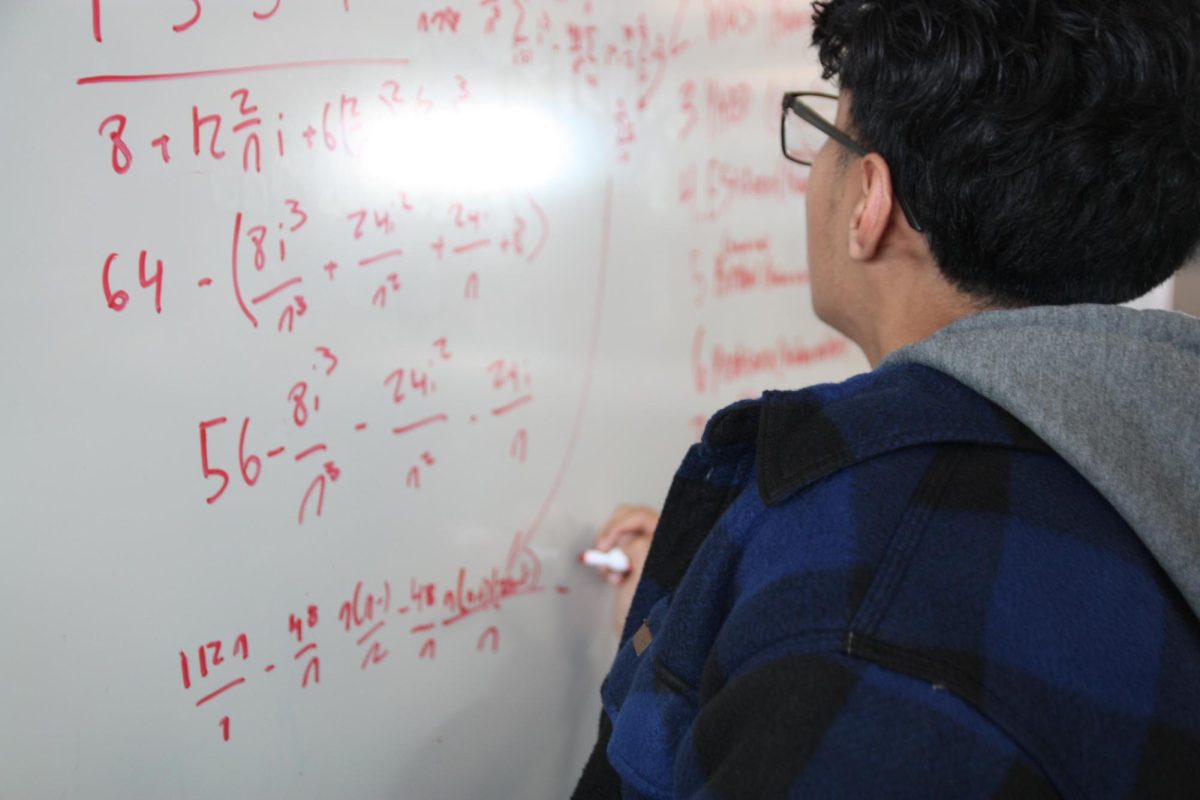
pixel 910 312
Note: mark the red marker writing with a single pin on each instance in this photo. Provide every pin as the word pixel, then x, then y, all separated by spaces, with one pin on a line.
pixel 614 559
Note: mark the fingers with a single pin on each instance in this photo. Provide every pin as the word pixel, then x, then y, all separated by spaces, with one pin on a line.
pixel 630 528
pixel 626 523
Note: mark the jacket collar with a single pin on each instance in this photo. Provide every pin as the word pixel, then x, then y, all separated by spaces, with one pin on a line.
pixel 804 436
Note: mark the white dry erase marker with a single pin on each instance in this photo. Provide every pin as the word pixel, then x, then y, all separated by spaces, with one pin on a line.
pixel 614 559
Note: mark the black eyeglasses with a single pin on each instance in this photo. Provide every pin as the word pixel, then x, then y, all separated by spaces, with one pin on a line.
pixel 808 118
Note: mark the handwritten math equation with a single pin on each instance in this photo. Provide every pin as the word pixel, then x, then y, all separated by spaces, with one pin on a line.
pixel 231 454
pixel 253 136
pixel 382 239
pixel 370 627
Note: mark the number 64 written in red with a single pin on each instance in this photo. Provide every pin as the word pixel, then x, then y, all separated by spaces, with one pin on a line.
pixel 117 300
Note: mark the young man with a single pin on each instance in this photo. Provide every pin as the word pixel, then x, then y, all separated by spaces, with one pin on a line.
pixel 975 570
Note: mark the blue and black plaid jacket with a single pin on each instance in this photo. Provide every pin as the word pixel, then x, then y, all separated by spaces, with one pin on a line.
pixel 889 587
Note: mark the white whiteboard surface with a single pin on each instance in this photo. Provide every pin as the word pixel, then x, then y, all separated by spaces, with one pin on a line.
pixel 451 280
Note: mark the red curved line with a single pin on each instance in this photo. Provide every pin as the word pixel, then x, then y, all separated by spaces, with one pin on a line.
pixel 537 251
pixel 598 314
pixel 237 289
pixel 270 13
pixel 183 26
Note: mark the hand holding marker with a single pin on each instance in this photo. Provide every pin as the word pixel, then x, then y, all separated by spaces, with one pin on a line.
pixel 618 553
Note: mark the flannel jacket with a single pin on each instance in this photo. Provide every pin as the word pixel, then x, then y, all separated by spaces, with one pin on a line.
pixel 889 587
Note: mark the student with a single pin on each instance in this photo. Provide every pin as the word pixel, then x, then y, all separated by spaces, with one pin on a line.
pixel 975 570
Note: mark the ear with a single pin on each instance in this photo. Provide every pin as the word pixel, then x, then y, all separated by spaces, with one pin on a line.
pixel 873 212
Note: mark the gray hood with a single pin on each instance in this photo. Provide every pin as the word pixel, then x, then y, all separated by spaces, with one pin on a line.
pixel 1115 392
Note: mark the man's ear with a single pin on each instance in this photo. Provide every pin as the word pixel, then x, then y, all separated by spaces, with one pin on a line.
pixel 873 211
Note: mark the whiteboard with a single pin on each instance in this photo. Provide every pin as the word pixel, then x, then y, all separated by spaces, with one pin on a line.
pixel 332 330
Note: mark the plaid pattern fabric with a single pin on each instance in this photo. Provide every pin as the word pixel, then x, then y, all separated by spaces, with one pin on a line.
pixel 889 587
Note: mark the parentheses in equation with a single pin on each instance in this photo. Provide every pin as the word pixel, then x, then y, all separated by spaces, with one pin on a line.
pixel 237 287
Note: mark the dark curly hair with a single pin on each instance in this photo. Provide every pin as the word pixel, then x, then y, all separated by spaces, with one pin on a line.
pixel 1049 148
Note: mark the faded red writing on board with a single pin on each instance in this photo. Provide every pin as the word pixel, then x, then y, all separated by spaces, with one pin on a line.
pixel 716 366
pixel 709 190
pixel 740 266
pixel 730 20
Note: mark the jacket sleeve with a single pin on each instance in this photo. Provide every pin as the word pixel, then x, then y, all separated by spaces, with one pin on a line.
pixel 827 725
pixel 599 780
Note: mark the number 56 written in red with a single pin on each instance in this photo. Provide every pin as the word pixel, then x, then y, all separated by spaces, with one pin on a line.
pixel 251 466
